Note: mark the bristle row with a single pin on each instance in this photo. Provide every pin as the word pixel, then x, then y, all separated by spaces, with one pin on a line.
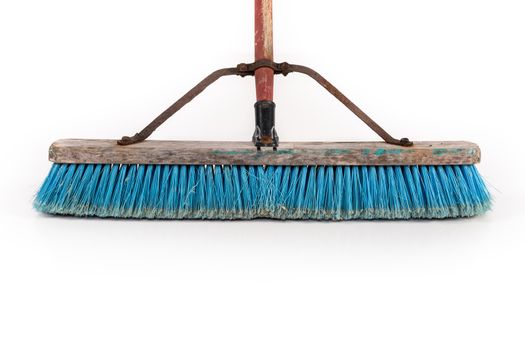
pixel 277 192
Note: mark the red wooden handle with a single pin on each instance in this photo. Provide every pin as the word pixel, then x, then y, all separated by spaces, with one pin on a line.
pixel 264 48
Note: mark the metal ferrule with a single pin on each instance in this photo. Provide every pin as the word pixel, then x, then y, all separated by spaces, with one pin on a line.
pixel 265 134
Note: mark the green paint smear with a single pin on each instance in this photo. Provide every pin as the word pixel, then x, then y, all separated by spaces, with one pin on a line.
pixel 338 152
pixel 285 151
pixel 444 151
pixel 253 152
pixel 382 151
pixel 233 153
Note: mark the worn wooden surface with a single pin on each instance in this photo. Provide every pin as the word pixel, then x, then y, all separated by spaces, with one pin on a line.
pixel 244 153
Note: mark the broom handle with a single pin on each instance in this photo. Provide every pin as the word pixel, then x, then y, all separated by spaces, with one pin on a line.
pixel 264 49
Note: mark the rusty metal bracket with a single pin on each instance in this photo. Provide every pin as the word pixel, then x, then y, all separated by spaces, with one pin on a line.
pixel 245 69
pixel 350 105
pixel 174 108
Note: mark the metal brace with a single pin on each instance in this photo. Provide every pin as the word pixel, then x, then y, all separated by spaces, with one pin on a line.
pixel 244 70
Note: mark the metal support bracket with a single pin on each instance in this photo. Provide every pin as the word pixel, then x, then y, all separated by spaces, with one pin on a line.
pixel 244 70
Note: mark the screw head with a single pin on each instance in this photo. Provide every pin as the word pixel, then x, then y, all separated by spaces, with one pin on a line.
pixel 406 142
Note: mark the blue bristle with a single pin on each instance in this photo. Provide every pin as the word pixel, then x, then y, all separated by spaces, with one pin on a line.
pixel 403 188
pixel 367 195
pixel 136 177
pixel 142 189
pixel 161 179
pixel 412 177
pixel 200 193
pixel 237 189
pixel 290 203
pixel 128 191
pixel 155 201
pixel 284 189
pixel 393 191
pixel 258 183
pixel 229 195
pixel 211 204
pixel 356 199
pixel 51 185
pixel 448 191
pixel 247 192
pixel 309 195
pixel 219 188
pixel 102 190
pixel 277 188
pixel 442 207
pixel 246 197
pixel 347 191
pixel 90 191
pixel 329 196
pixel 430 200
pixel 319 191
pixel 115 198
pixel 172 198
pixel 182 191
pixel 338 193
pixel 382 208
pixel 72 184
pixel 191 197
pixel 475 181
pixel 468 188
pixel 268 197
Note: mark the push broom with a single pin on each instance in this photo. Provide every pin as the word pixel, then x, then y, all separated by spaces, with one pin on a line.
pixel 139 178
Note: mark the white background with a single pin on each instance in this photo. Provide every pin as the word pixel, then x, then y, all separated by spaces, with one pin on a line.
pixel 447 70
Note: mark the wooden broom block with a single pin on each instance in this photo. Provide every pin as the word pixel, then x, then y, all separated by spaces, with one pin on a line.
pixel 80 151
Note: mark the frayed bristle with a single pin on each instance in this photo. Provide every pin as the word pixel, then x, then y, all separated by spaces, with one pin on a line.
pixel 276 192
